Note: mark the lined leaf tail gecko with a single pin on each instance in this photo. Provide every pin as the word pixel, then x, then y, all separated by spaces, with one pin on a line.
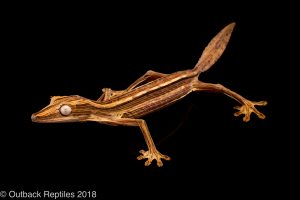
pixel 149 93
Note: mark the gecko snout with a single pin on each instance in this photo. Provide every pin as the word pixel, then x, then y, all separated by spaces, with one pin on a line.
pixel 33 117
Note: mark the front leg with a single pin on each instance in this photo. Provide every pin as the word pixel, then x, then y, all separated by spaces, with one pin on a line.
pixel 109 93
pixel 152 153
pixel 247 106
pixel 147 77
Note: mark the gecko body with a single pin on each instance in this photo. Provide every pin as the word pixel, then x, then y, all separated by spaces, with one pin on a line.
pixel 149 93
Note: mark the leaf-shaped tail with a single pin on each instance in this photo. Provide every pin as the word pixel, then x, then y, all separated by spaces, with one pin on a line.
pixel 214 49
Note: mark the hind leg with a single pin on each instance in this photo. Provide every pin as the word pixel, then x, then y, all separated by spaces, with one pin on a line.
pixel 247 106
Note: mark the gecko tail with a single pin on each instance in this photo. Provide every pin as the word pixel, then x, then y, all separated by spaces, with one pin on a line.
pixel 214 49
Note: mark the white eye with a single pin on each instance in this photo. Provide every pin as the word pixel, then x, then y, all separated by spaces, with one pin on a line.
pixel 65 110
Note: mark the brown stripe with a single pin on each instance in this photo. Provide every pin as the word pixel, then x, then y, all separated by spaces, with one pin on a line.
pixel 145 89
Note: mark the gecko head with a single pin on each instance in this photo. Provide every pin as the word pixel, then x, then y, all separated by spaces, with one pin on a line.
pixel 63 109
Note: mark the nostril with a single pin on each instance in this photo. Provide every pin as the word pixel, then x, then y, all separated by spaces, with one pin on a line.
pixel 33 117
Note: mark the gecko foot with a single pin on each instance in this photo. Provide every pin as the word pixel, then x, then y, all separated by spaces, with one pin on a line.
pixel 151 155
pixel 248 108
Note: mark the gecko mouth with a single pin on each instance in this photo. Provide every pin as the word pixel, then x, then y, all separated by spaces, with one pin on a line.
pixel 33 118
pixel 38 119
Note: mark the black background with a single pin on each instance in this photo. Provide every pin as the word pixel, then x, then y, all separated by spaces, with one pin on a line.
pixel 75 49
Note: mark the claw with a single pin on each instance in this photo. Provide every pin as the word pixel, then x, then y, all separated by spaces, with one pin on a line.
pixel 152 155
pixel 166 157
pixel 248 108
pixel 238 113
pixel 159 163
pixel 246 118
pixel 142 152
pixel 148 162
pixel 260 103
pixel 140 157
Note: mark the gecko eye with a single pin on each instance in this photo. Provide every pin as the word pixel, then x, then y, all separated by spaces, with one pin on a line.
pixel 65 110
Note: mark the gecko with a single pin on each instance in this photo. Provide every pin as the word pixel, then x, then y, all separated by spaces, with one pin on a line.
pixel 149 93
